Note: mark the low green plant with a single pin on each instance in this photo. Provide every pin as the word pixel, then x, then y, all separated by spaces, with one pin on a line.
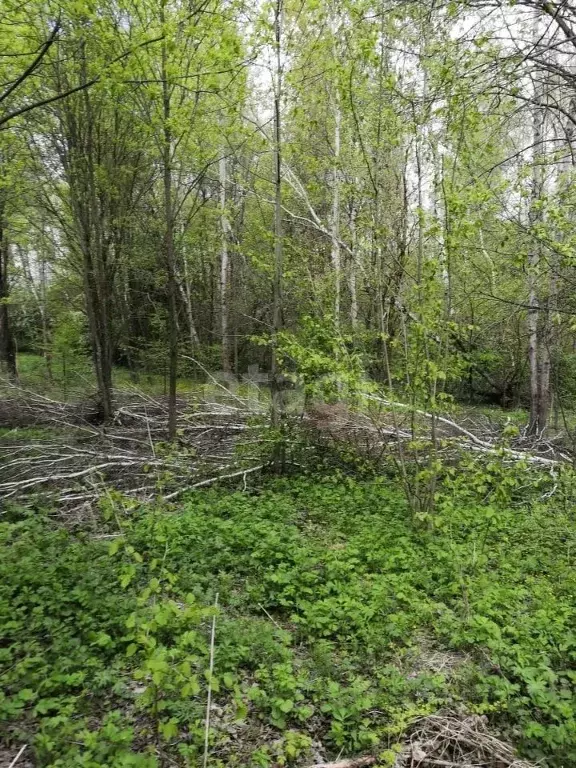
pixel 330 599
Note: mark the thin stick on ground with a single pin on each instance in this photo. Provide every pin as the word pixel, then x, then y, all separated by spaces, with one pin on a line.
pixel 18 756
pixel 215 479
pixel 272 619
pixel 209 698
pixel 152 449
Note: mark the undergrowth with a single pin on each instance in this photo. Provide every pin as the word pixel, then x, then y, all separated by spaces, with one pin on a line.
pixel 339 621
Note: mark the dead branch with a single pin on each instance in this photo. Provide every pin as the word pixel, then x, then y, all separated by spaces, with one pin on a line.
pixel 470 438
pixel 78 459
pixel 447 740
pixel 240 473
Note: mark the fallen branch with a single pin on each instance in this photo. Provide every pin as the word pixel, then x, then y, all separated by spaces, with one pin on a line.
pixel 215 479
pixel 18 756
pixel 483 445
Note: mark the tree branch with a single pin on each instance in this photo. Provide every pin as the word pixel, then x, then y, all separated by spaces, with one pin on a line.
pixel 30 69
pixel 43 102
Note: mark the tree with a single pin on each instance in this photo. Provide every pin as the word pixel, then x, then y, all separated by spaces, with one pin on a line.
pixel 7 347
pixel 277 313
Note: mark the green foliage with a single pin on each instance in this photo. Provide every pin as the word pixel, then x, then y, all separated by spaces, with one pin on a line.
pixel 326 593
pixel 325 363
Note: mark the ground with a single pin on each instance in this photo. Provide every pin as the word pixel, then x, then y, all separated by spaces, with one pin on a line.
pixel 340 622
pixel 344 622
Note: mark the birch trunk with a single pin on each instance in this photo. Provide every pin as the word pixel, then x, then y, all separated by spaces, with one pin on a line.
pixel 277 413
pixel 352 279
pixel 39 294
pixel 186 294
pixel 335 224
pixel 169 243
pixel 7 346
pixel 536 356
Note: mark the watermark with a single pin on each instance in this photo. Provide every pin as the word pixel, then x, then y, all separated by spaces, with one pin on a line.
pixel 255 386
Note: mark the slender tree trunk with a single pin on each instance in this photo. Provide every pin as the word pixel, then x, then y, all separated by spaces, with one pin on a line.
pixel 39 294
pixel 7 346
pixel 377 250
pixel 545 348
pixel 420 197
pixel 186 294
pixel 101 287
pixel 224 267
pixel 352 283
pixel 125 309
pixel 335 223
pixel 169 245
pixel 538 409
pixel 46 340
pixel 277 412
pixel 440 200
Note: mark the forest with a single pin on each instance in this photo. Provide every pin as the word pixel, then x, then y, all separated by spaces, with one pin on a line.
pixel 287 382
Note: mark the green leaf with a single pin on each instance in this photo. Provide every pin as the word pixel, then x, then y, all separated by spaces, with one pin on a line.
pixel 285 705
pixel 115 545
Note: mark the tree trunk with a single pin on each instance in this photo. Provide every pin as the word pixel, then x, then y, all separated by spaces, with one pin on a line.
pixel 46 340
pixel 277 412
pixel 99 289
pixel 7 346
pixel 537 356
pixel 39 294
pixel 440 200
pixel 224 268
pixel 186 294
pixel 352 282
pixel 169 246
pixel 85 201
pixel 335 223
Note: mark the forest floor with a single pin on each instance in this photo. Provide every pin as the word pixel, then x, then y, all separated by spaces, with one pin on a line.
pixel 268 622
pixel 340 627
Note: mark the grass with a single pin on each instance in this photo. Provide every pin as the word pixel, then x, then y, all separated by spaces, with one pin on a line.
pixel 78 381
pixel 340 620
pixel 77 378
pixel 30 434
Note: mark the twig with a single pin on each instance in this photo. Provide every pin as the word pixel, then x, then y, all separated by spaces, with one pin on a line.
pixel 150 438
pixel 18 756
pixel 209 699
pixel 211 480
pixel 272 619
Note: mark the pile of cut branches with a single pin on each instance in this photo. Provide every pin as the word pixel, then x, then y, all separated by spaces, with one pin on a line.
pixel 386 424
pixel 74 457
pixel 446 740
